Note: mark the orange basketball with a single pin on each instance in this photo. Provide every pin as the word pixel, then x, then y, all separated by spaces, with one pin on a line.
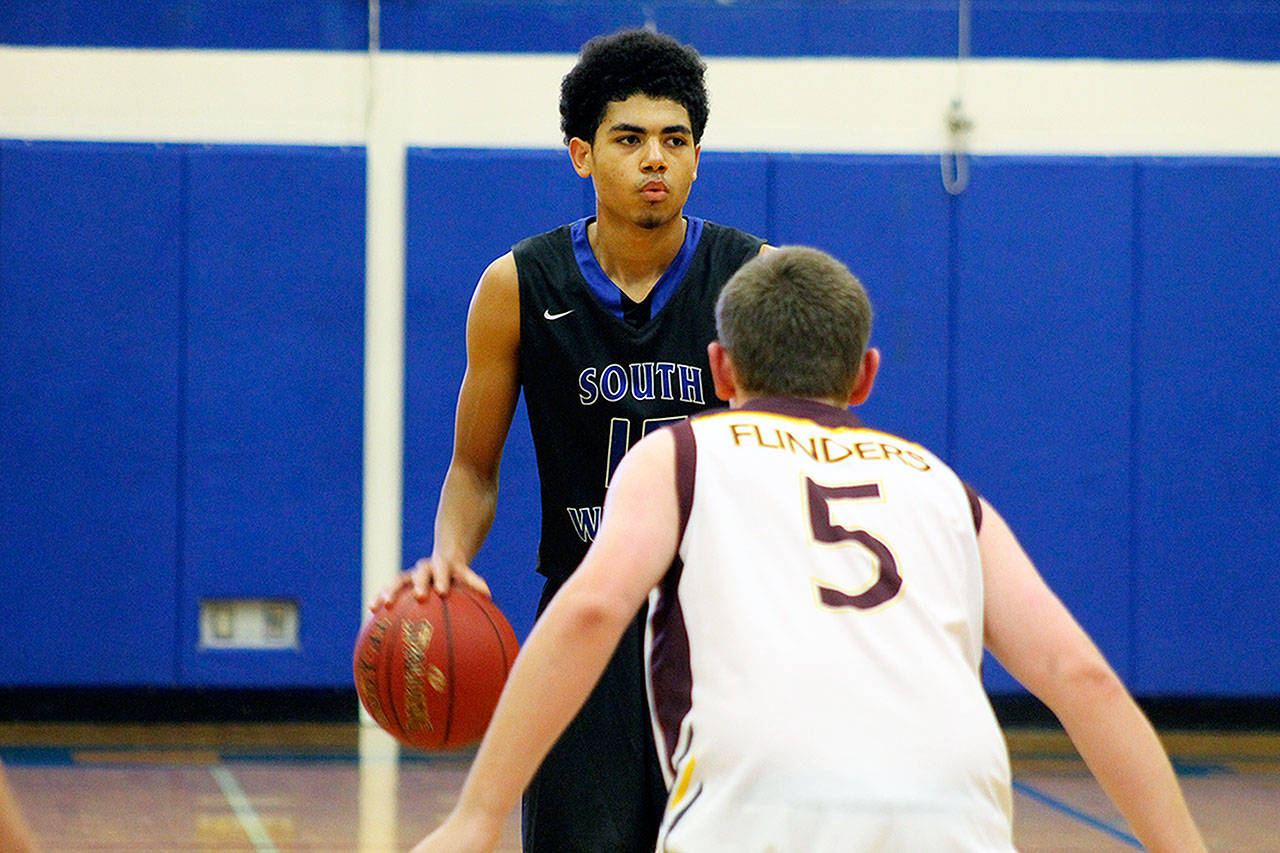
pixel 430 672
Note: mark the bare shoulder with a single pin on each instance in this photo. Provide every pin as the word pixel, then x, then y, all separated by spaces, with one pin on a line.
pixel 641 505
pixel 1026 626
pixel 493 321
pixel 1007 570
pixel 646 475
pixel 655 452
pixel 500 279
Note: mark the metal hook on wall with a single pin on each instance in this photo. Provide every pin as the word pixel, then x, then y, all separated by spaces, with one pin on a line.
pixel 954 159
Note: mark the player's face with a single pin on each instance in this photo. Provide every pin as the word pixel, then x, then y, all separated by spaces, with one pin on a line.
pixel 643 161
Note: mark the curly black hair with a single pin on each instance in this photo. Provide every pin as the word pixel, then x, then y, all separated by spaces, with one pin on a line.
pixel 631 62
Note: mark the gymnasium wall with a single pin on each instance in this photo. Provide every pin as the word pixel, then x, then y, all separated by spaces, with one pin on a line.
pixel 238 239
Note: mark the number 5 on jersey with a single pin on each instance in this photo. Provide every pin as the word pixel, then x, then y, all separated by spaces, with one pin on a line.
pixel 888 582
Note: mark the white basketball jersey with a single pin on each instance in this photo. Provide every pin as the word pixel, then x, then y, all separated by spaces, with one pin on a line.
pixel 813 654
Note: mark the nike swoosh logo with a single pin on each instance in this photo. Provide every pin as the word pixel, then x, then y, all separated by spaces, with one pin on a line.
pixel 547 315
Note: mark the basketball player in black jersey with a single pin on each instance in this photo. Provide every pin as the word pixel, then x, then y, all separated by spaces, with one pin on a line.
pixel 603 324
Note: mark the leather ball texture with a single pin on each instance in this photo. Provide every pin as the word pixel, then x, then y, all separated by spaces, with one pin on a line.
pixel 430 672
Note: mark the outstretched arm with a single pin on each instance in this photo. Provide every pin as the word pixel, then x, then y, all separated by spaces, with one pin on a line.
pixel 570 644
pixel 1033 636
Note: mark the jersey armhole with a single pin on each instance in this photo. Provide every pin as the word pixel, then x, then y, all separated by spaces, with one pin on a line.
pixel 686 464
pixel 975 506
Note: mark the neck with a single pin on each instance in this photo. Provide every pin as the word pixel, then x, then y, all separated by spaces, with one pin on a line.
pixel 741 399
pixel 634 257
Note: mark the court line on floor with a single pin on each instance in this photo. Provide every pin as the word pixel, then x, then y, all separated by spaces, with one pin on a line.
pixel 1070 811
pixel 243 808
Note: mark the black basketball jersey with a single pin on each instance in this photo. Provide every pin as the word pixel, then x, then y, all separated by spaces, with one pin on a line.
pixel 593 383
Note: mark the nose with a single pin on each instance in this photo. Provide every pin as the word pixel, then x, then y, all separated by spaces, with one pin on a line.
pixel 654 158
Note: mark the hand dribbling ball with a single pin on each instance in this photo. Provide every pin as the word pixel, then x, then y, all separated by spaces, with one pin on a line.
pixel 430 672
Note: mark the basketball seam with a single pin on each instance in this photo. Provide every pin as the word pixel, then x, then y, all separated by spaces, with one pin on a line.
pixel 506 663
pixel 387 658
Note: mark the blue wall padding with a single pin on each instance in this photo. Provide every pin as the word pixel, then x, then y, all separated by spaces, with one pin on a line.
pixel 1136 29
pixel 1090 341
pixel 1117 29
pixel 1207 609
pixel 1042 383
pixel 464 209
pixel 274 404
pixel 1010 320
pixel 732 189
pixel 90 248
pixel 886 217
pixel 221 24
pixel 758 28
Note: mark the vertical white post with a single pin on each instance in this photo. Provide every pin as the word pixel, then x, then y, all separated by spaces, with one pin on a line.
pixel 384 333
pixel 383 409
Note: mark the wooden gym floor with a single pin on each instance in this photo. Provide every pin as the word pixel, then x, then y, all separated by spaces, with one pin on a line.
pixel 344 787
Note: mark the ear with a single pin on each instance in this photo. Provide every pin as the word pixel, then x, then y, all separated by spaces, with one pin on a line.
pixel 580 154
pixel 697 155
pixel 866 377
pixel 722 372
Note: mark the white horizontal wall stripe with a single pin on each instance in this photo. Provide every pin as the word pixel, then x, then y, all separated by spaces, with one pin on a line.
pixel 183 96
pixel 1088 107
pixel 1018 107
pixel 1183 107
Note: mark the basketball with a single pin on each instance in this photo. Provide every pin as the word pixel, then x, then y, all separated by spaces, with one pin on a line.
pixel 430 672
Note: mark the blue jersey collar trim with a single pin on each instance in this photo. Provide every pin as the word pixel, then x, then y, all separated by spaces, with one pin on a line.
pixel 608 293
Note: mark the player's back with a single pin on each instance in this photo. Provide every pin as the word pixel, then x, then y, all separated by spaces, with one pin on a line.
pixel 814 658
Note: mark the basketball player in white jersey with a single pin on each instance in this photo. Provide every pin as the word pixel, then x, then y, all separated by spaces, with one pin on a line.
pixel 820 595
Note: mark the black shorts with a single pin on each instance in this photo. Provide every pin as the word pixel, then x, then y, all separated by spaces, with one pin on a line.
pixel 600 789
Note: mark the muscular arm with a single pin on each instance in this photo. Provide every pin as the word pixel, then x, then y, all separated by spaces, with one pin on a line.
pixel 486 402
pixel 1033 636
pixel 570 644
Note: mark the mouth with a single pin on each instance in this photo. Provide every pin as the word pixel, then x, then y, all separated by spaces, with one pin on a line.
pixel 655 191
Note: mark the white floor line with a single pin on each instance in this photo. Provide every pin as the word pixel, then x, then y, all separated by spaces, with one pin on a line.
pixel 240 804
